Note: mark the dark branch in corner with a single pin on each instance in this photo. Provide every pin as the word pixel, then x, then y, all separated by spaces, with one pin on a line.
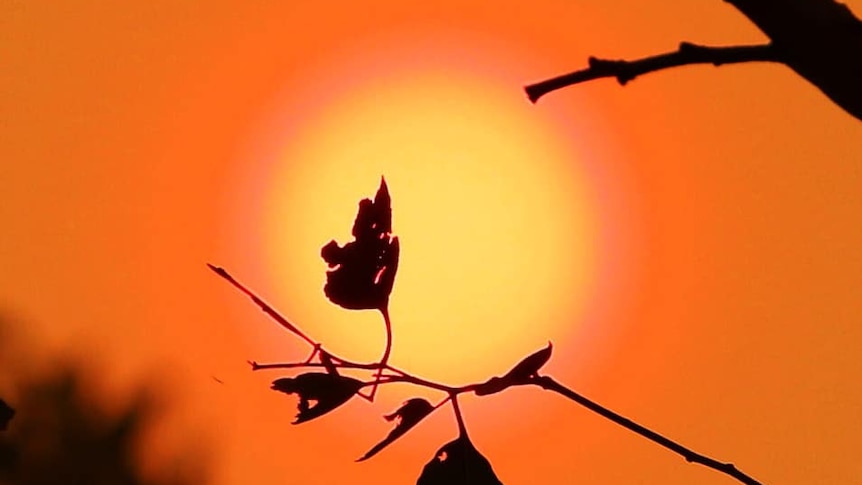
pixel 624 71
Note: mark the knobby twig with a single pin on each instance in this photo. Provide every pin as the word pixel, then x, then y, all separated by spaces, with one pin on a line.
pixel 624 71
pixel 544 382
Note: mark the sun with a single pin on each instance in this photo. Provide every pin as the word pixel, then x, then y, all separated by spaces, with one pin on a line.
pixel 492 210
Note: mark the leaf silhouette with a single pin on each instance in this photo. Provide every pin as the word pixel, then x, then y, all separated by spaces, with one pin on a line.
pixel 520 374
pixel 458 463
pixel 363 271
pixel 328 391
pixel 408 415
pixel 6 414
pixel 530 365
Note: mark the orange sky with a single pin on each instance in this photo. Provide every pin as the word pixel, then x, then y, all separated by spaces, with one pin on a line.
pixel 703 225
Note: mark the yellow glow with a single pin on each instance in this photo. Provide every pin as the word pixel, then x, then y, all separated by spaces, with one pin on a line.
pixel 496 234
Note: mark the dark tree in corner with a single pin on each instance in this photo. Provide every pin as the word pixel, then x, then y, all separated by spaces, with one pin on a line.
pixel 361 276
pixel 6 415
pixel 821 40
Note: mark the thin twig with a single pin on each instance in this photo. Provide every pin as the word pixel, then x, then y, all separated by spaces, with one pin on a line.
pixel 300 365
pixel 690 456
pixel 625 71
pixel 263 305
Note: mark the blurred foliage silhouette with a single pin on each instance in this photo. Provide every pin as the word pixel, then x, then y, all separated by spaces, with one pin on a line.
pixel 62 433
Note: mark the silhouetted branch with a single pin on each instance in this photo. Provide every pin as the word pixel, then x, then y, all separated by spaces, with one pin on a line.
pixel 263 306
pixel 524 373
pixel 384 378
pixel 300 365
pixel 546 383
pixel 550 384
pixel 624 71
pixel 821 40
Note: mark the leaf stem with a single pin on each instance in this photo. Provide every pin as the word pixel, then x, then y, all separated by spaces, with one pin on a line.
pixel 385 359
pixel 462 429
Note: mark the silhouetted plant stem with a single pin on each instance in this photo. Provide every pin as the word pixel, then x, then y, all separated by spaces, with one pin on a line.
pixel 550 384
pixel 263 305
pixel 385 359
pixel 544 382
pixel 462 429
pixel 299 365
pixel 625 71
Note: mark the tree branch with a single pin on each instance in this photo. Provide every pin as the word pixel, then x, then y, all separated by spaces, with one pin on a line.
pixel 690 456
pixel 624 71
pixel 300 365
pixel 821 40
pixel 544 382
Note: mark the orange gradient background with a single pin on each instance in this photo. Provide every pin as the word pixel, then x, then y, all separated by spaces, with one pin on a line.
pixel 690 242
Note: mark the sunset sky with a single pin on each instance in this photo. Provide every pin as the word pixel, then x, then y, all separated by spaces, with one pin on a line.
pixel 690 242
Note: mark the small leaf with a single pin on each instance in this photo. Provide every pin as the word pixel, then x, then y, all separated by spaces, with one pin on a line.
pixel 530 365
pixel 408 416
pixel 491 386
pixel 6 414
pixel 362 272
pixel 520 374
pixel 458 463
pixel 327 390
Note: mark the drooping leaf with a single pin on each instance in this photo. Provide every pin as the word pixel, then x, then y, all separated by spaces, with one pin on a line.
pixel 6 414
pixel 458 463
pixel 362 272
pixel 328 391
pixel 408 415
pixel 520 374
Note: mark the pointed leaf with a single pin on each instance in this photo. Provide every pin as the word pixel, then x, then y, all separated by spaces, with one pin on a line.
pixel 408 416
pixel 6 414
pixel 492 386
pixel 327 390
pixel 520 374
pixel 458 463
pixel 363 271
pixel 530 365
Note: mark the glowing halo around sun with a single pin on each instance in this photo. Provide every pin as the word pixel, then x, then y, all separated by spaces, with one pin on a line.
pixel 497 231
